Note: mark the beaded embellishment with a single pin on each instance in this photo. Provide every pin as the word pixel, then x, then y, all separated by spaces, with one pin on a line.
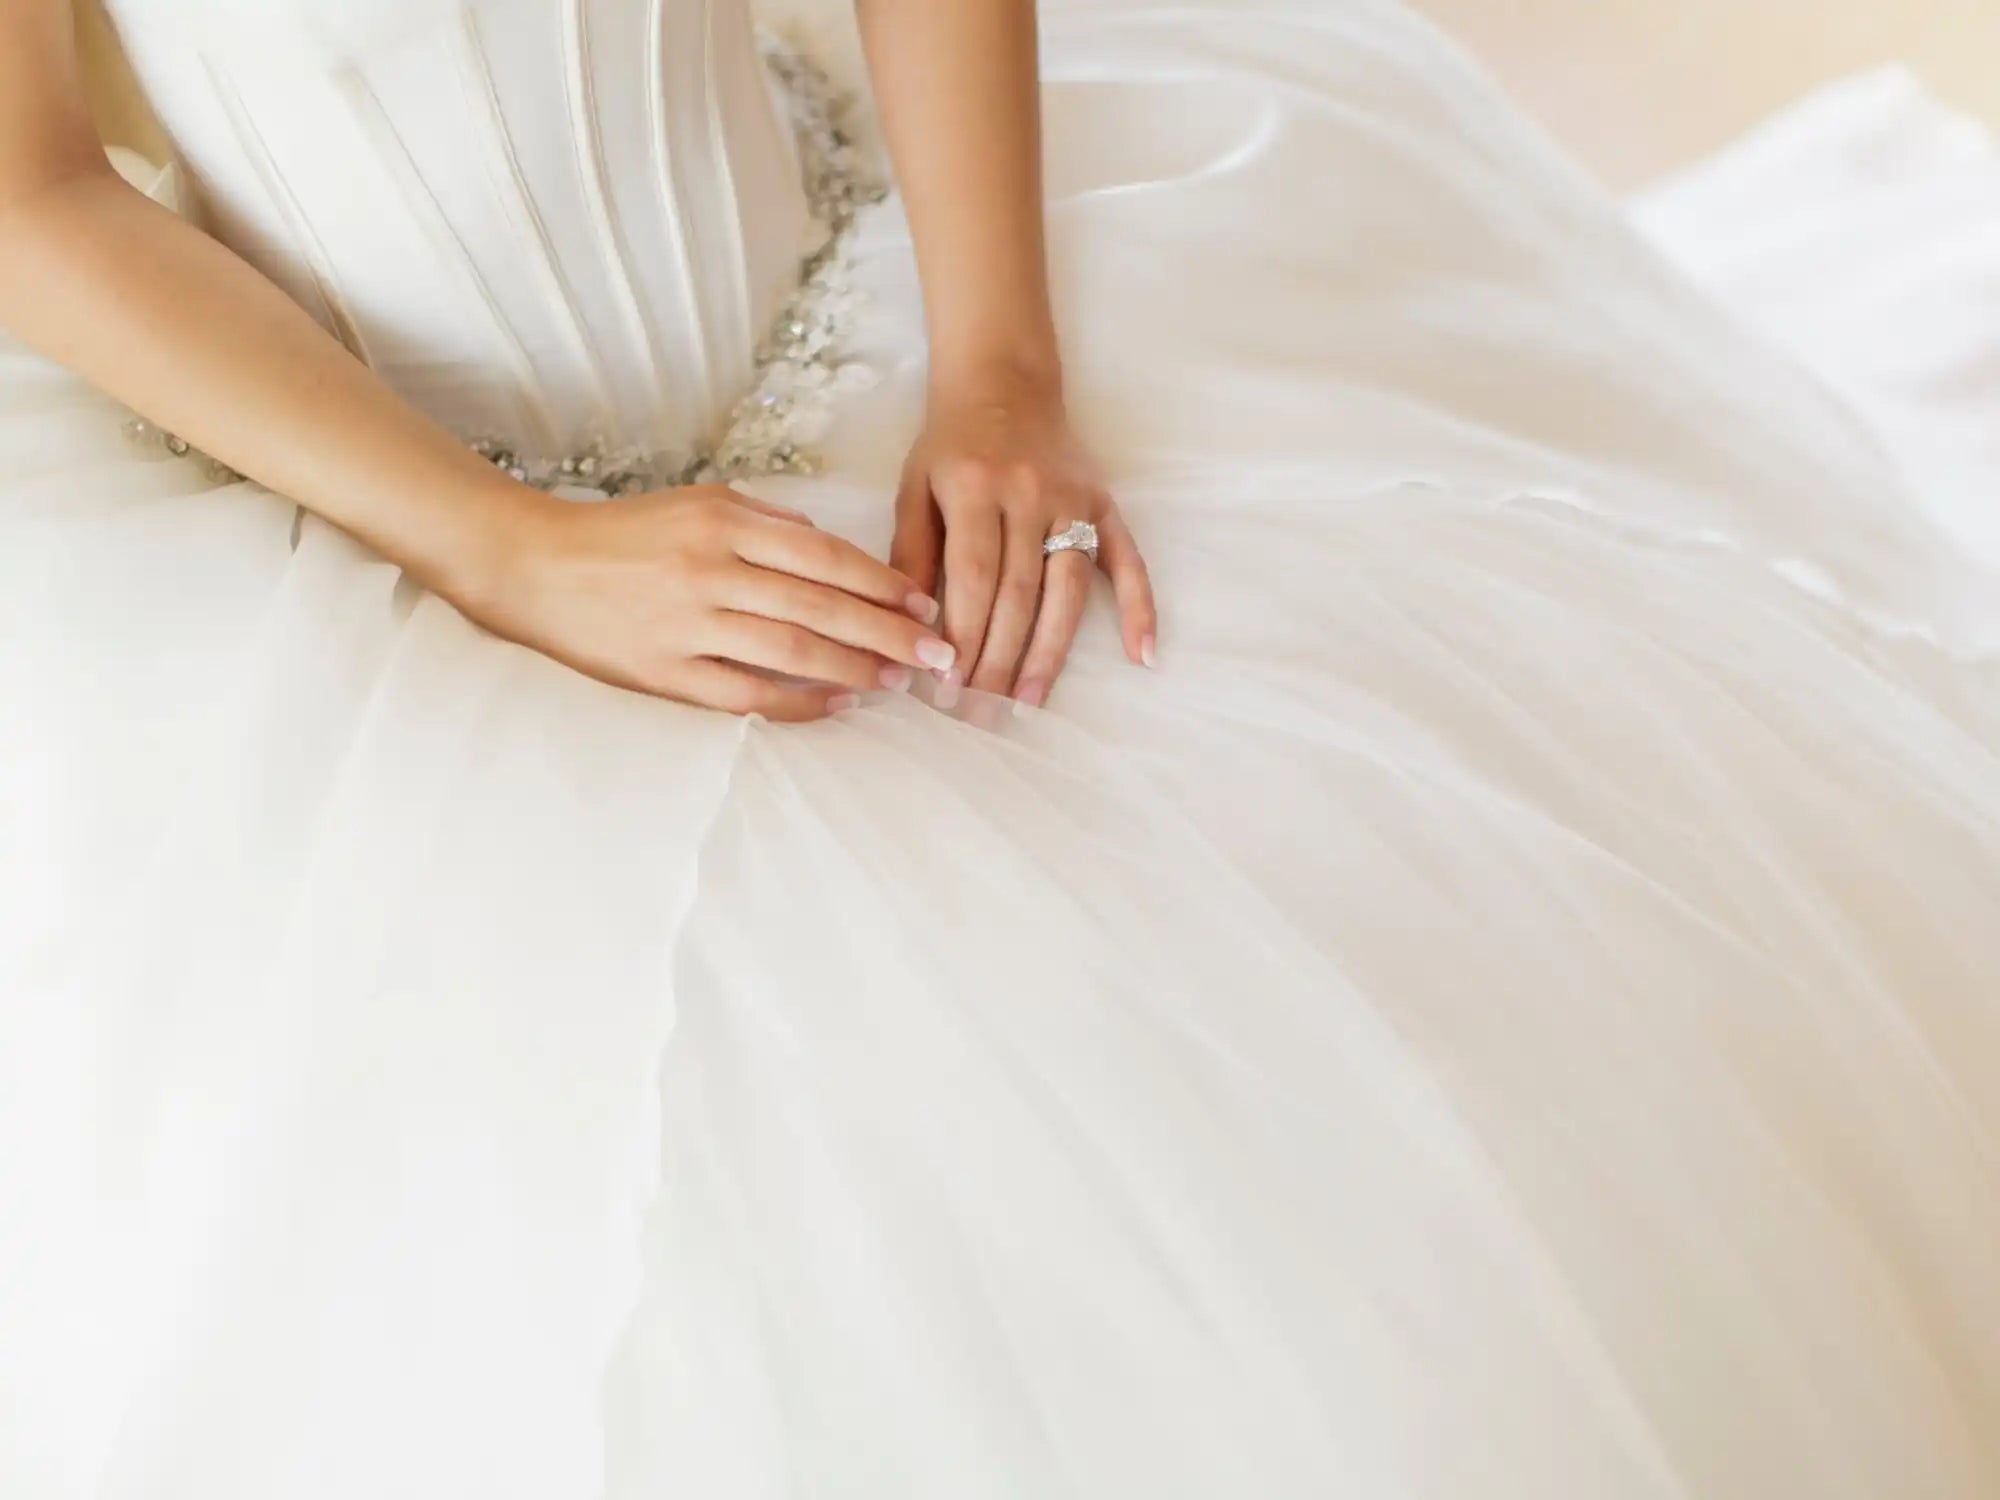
pixel 147 435
pixel 799 370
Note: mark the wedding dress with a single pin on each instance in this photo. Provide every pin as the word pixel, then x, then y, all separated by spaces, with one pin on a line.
pixel 1506 1010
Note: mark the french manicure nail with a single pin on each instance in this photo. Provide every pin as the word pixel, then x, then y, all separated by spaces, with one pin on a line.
pixel 840 703
pixel 946 695
pixel 1146 648
pixel 936 654
pixel 896 678
pixel 1034 694
pixel 923 607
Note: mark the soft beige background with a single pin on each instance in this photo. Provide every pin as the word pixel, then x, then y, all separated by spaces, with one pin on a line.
pixel 1634 86
pixel 1638 86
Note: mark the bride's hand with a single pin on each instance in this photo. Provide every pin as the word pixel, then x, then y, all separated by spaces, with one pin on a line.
pixel 709 597
pixel 992 477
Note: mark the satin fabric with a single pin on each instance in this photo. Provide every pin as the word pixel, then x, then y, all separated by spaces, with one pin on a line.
pixel 1504 1010
pixel 560 223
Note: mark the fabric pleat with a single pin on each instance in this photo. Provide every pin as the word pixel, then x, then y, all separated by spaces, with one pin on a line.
pixel 1506 1009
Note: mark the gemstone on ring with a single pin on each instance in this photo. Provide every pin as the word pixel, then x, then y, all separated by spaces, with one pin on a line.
pixel 1078 536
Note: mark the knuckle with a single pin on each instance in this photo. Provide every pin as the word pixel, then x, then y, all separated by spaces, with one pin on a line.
pixel 878 583
pixel 827 552
pixel 1046 663
pixel 967 468
pixel 796 644
pixel 808 606
pixel 975 573
pixel 713 509
pixel 967 477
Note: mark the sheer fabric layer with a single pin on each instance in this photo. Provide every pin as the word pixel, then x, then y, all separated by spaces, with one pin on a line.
pixel 1503 1011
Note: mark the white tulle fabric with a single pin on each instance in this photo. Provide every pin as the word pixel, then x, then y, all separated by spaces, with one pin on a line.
pixel 1506 1010
pixel 1889 199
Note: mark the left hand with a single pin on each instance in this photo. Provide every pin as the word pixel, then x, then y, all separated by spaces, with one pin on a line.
pixel 993 476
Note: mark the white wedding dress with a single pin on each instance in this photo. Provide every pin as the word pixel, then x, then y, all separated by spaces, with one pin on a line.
pixel 1506 1010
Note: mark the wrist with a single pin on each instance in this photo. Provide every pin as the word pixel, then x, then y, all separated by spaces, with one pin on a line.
pixel 490 536
pixel 1011 376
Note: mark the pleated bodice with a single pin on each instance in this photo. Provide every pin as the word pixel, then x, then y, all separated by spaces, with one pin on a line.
pixel 559 222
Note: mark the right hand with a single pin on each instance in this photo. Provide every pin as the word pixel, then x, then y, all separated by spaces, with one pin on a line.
pixel 709 597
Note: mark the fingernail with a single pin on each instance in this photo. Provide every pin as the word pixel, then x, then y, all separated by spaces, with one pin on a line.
pixel 896 679
pixel 936 654
pixel 1034 694
pixel 923 607
pixel 840 703
pixel 1146 648
pixel 946 695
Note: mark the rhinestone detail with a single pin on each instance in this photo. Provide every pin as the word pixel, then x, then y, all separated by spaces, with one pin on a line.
pixel 801 368
pixel 144 434
pixel 1078 536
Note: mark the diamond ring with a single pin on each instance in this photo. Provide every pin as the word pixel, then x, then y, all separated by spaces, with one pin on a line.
pixel 1078 536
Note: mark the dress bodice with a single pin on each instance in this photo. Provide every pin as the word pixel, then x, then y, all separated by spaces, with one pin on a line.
pixel 563 223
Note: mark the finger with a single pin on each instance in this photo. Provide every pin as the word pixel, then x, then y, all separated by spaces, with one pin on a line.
pixel 837 615
pixel 1138 617
pixel 777 646
pixel 825 558
pixel 971 574
pixel 919 534
pixel 738 690
pixel 1065 594
pixel 1015 602
pixel 769 508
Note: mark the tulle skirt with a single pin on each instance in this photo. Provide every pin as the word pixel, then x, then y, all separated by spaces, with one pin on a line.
pixel 1506 1009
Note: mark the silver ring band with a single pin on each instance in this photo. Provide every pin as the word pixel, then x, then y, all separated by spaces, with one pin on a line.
pixel 1078 536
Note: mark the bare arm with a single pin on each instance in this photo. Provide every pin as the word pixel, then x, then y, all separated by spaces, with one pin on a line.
pixel 155 313
pixel 957 84
pixel 957 89
pixel 675 594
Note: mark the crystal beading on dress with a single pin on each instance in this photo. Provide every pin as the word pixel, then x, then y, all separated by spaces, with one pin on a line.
pixel 1503 1011
pixel 799 372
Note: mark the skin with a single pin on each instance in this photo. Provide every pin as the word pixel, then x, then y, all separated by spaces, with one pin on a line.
pixel 997 468
pixel 697 594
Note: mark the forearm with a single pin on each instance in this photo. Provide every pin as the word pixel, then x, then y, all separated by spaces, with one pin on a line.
pixel 164 319
pixel 958 91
